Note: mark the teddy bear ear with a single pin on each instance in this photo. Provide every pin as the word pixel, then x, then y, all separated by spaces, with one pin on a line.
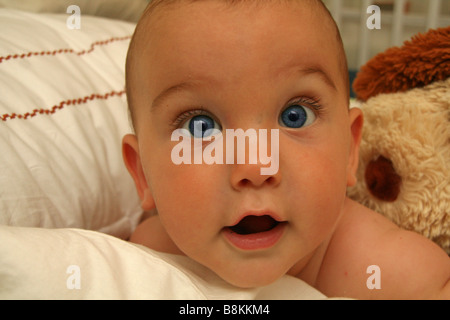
pixel 419 62
pixel 382 180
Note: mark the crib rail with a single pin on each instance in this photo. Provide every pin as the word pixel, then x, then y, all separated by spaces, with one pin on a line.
pixel 395 20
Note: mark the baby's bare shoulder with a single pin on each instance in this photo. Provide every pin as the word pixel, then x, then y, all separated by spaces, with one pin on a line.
pixel 370 257
pixel 415 267
pixel 150 233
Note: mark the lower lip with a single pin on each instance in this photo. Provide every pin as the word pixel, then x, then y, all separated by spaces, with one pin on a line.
pixel 255 241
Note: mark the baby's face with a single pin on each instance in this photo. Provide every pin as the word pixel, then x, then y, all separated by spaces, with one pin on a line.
pixel 250 67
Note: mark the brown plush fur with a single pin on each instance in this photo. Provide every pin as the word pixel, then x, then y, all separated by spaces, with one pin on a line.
pixel 410 132
pixel 404 169
pixel 419 62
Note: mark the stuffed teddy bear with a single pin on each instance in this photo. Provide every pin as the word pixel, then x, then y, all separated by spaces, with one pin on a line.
pixel 404 169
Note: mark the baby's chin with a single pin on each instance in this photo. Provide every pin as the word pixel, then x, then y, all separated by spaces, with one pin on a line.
pixel 249 278
pixel 252 282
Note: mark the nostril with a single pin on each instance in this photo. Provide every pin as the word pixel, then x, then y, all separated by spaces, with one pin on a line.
pixel 382 180
pixel 257 181
pixel 244 182
pixel 270 180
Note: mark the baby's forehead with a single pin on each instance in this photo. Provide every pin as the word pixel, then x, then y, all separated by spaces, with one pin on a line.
pixel 208 17
pixel 156 20
pixel 151 22
pixel 156 7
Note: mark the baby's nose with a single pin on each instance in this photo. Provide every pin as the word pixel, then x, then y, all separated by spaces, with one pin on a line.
pixel 249 176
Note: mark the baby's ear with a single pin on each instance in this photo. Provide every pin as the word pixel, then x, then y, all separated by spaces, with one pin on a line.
pixel 130 153
pixel 356 126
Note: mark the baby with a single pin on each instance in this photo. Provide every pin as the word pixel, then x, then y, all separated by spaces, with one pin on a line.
pixel 201 69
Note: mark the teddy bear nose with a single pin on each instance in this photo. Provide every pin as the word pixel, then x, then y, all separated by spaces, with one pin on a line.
pixel 382 180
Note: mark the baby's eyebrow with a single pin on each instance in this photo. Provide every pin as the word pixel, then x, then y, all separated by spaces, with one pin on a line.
pixel 192 84
pixel 321 73
pixel 170 91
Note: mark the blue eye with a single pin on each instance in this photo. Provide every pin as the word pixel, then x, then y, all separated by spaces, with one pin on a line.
pixel 201 126
pixel 297 116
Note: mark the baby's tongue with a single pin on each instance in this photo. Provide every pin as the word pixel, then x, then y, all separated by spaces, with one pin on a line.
pixel 254 224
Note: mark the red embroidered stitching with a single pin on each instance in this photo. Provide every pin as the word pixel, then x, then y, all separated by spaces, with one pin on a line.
pixel 59 51
pixel 61 105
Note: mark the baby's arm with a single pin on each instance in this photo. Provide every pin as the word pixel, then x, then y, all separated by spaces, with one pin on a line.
pixel 421 267
pixel 406 264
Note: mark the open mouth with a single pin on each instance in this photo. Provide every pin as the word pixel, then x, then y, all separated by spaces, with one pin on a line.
pixel 255 232
pixel 254 224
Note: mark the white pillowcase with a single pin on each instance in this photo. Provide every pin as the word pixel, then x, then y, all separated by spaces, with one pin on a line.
pixel 91 265
pixel 129 10
pixel 65 168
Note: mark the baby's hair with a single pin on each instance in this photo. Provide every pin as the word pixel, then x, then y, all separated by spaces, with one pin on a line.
pixel 160 4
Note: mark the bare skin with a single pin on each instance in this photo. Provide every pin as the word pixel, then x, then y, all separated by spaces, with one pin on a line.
pixel 243 69
pixel 342 270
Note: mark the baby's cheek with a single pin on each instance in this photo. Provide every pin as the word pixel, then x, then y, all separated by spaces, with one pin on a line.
pixel 185 198
pixel 318 181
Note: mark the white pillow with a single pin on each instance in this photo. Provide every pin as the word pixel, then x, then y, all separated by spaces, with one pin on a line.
pixel 129 10
pixel 64 168
pixel 40 263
